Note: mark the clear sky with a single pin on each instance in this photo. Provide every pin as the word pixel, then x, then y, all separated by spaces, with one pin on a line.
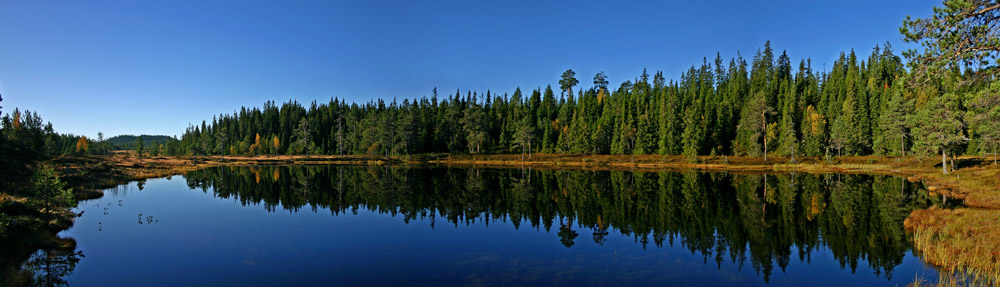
pixel 153 67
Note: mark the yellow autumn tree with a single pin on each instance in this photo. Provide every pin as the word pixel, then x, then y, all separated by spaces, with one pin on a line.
pixel 82 145
pixel 255 147
pixel 17 120
pixel 276 144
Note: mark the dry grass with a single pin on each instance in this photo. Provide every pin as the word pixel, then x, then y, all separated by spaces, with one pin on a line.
pixel 959 241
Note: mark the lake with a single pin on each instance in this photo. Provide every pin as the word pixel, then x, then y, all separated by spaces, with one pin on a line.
pixel 349 225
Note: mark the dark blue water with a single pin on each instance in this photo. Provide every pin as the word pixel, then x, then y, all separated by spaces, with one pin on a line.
pixel 377 226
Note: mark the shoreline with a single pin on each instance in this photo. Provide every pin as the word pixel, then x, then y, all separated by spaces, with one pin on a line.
pixel 957 240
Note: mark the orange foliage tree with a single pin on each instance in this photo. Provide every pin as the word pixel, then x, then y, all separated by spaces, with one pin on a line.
pixel 82 145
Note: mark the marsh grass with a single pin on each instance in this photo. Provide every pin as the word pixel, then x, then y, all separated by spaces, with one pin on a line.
pixel 961 242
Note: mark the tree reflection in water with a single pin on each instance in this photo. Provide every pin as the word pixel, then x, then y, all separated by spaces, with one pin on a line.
pixel 767 220
pixel 49 267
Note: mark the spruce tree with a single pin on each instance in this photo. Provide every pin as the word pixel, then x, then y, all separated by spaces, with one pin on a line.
pixel 893 128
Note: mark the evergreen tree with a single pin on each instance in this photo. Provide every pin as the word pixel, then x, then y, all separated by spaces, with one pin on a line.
pixel 51 191
pixel 303 141
pixel 473 125
pixel 524 136
pixel 220 140
pixel 938 127
pixel 984 119
pixel 139 148
pixel 752 127
pixel 962 33
pixel 893 127
pixel 567 82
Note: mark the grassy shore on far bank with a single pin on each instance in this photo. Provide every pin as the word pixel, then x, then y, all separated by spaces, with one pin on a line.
pixel 955 240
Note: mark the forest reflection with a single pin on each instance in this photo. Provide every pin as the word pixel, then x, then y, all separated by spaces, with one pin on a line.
pixel 763 220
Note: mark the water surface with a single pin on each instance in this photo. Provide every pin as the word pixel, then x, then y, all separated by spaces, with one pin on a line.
pixel 320 225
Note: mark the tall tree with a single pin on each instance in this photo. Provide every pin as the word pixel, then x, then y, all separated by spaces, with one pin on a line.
pixel 567 82
pixel 472 123
pixel 524 136
pixel 752 128
pixel 813 132
pixel 846 132
pixel 303 140
pixel 893 127
pixel 938 127
pixel 601 84
pixel 276 143
pixel 139 148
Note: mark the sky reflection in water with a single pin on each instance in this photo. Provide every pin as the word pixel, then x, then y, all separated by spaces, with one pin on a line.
pixel 380 226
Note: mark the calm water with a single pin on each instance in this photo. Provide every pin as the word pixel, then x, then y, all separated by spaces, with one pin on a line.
pixel 391 226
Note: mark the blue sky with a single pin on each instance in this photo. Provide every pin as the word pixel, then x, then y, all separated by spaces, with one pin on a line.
pixel 153 67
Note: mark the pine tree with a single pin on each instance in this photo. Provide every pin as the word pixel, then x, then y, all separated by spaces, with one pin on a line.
pixel 787 130
pixel 51 191
pixel 752 127
pixel 962 33
pixel 139 148
pixel 567 82
pixel 303 141
pixel 938 127
pixel 524 136
pixel 473 125
pixel 220 140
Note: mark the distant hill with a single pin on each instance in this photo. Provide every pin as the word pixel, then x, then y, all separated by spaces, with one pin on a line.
pixel 127 142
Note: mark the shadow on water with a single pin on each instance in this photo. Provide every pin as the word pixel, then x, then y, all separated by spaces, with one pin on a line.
pixel 766 222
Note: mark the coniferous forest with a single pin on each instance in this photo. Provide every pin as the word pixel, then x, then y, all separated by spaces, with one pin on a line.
pixel 767 105
pixel 938 98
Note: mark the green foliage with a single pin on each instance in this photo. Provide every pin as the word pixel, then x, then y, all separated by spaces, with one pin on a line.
pixel 788 128
pixel 963 33
pixel 50 192
pixel 303 144
pixel 127 142
pixel 984 119
pixel 140 147
pixel 750 131
pixel 893 128
pixel 766 107
pixel 567 82
pixel 938 126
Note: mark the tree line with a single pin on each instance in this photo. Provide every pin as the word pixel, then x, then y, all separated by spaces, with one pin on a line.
pixel 26 139
pixel 945 100
pixel 861 106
